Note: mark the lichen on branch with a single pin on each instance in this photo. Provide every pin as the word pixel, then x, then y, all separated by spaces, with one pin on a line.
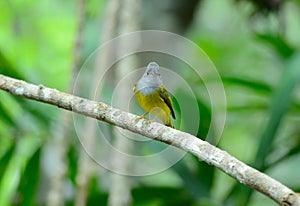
pixel 187 142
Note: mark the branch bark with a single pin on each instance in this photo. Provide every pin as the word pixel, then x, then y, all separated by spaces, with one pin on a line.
pixel 187 142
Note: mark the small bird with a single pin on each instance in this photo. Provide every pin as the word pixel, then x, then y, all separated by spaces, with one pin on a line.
pixel 152 95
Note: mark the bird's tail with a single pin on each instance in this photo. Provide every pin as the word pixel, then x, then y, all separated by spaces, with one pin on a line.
pixel 169 123
pixel 163 116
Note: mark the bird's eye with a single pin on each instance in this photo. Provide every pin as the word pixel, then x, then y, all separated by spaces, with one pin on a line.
pixel 148 73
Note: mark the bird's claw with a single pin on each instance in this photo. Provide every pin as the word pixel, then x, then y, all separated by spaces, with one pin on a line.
pixel 144 117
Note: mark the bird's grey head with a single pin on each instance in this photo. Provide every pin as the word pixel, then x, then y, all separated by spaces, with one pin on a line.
pixel 151 77
pixel 152 70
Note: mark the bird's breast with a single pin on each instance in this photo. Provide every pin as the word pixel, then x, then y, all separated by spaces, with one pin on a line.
pixel 148 90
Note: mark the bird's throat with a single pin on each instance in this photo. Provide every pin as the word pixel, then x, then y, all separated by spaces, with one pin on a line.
pixel 148 90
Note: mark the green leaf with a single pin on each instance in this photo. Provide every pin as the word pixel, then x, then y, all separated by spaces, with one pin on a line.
pixel 257 86
pixel 5 116
pixel 278 43
pixel 29 180
pixel 5 160
pixel 279 106
pixel 6 68
pixel 24 150
pixel 294 150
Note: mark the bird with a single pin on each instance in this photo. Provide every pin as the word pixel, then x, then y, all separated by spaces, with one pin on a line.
pixel 152 95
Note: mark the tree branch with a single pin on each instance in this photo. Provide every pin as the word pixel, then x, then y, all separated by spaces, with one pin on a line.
pixel 187 142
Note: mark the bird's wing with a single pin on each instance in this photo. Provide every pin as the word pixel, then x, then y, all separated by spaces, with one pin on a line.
pixel 165 96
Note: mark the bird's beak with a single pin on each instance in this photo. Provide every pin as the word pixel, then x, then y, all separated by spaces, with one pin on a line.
pixel 155 74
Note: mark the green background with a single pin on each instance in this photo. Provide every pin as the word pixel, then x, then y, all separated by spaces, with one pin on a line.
pixel 255 48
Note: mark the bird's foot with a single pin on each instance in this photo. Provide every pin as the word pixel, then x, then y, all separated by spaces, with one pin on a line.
pixel 142 117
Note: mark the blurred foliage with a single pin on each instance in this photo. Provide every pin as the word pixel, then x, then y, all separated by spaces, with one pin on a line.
pixel 257 58
pixel 266 6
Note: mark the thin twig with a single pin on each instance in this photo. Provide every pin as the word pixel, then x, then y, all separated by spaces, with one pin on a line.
pixel 187 142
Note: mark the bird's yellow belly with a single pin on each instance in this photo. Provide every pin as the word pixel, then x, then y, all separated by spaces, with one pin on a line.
pixel 153 103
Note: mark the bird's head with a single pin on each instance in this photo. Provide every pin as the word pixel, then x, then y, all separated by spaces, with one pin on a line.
pixel 152 70
pixel 151 77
